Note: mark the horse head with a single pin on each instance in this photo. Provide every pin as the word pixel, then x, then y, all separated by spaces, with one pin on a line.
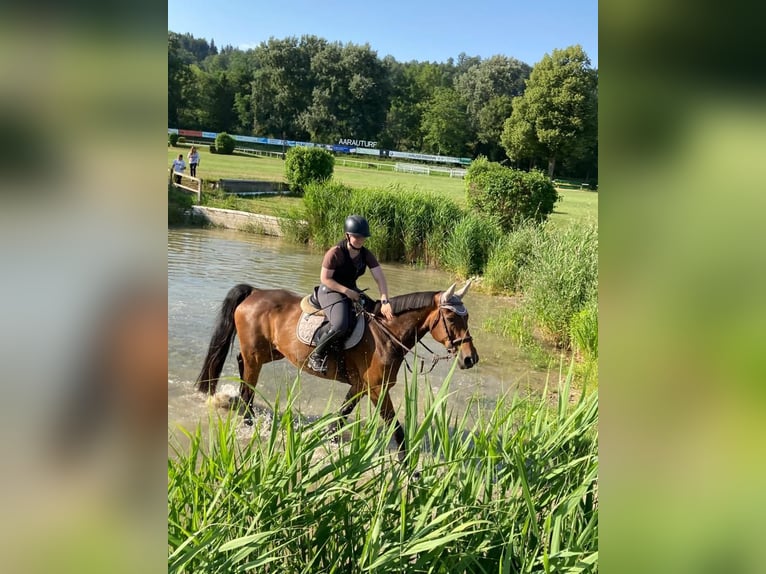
pixel 450 326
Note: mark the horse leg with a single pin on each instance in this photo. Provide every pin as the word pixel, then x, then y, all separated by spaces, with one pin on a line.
pixel 352 398
pixel 388 414
pixel 249 372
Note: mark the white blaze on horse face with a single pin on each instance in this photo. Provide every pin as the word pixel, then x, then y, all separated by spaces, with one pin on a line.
pixel 448 293
pixel 462 292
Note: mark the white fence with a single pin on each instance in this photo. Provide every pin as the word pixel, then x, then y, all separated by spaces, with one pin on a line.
pixel 187 183
pixel 416 168
pixel 364 164
pixel 258 152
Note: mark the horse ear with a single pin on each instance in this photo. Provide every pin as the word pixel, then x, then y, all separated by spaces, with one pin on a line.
pixel 448 293
pixel 462 292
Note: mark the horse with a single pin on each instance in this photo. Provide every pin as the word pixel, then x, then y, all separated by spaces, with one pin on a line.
pixel 265 321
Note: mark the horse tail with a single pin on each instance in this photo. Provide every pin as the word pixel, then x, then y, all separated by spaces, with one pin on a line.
pixel 223 335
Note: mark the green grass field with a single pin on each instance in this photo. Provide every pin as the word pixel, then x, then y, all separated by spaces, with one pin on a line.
pixel 575 205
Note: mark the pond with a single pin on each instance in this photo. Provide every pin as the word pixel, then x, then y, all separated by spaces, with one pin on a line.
pixel 203 264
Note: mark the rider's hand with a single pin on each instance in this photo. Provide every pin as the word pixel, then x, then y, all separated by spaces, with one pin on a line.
pixel 386 310
pixel 353 295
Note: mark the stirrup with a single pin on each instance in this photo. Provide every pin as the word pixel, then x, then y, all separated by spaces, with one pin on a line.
pixel 318 364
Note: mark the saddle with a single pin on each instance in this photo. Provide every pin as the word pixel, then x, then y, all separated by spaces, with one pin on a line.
pixel 314 323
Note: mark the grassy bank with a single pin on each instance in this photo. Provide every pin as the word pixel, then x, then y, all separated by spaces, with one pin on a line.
pixel 508 490
pixel 575 205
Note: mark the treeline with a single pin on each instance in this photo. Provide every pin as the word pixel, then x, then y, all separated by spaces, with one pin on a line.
pixel 311 89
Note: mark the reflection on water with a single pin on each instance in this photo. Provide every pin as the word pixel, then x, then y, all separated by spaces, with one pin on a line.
pixel 203 264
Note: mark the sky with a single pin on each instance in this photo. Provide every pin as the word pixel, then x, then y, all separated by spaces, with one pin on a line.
pixel 422 30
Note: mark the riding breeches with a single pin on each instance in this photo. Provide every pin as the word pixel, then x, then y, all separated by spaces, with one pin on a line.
pixel 337 308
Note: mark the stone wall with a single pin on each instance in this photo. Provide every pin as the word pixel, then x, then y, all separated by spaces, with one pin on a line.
pixel 243 221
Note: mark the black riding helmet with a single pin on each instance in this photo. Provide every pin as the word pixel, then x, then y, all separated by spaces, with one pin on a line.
pixel 357 225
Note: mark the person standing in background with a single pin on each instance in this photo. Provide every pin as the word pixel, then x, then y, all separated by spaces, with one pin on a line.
pixel 179 166
pixel 193 161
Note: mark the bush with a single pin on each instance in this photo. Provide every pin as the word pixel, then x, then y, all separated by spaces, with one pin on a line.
pixel 508 195
pixel 224 144
pixel 304 165
pixel 173 139
pixel 211 148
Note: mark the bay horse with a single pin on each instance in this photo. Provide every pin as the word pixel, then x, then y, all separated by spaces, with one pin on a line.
pixel 265 321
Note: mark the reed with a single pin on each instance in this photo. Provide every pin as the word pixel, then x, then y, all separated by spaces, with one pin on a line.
pixel 468 245
pixel 513 489
pixel 406 226
pixel 561 277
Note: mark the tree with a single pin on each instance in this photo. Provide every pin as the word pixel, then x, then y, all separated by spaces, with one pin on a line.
pixel 488 87
pixel 282 86
pixel 350 94
pixel 445 124
pixel 178 76
pixel 554 115
pixel 412 85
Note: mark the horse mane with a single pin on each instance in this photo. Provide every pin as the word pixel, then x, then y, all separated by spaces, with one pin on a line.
pixel 411 301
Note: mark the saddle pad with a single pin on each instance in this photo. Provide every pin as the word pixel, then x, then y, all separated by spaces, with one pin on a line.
pixel 308 324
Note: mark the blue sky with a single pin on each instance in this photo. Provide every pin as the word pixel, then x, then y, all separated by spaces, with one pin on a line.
pixel 423 30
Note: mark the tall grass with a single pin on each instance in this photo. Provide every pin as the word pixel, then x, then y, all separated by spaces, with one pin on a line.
pixel 468 245
pixel 179 204
pixel 508 490
pixel 561 277
pixel 508 257
pixel 406 226
pixel 583 333
pixel 554 268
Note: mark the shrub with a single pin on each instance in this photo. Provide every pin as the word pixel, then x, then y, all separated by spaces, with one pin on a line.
pixel 224 144
pixel 211 148
pixel 508 195
pixel 304 165
pixel 173 139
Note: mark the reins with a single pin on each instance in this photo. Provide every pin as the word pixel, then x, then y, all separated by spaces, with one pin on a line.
pixel 451 351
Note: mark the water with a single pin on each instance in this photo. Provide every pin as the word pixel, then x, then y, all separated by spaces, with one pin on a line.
pixel 203 264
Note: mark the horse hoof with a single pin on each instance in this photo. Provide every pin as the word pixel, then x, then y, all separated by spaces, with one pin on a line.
pixel 248 421
pixel 416 476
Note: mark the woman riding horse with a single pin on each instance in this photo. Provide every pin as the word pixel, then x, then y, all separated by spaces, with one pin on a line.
pixel 342 265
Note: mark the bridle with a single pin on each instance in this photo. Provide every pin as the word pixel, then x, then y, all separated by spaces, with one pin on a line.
pixel 452 349
pixel 454 344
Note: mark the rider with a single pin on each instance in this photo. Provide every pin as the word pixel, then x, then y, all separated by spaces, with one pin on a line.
pixel 341 266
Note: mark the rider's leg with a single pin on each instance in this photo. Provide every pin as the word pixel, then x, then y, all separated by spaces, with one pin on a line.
pixel 335 307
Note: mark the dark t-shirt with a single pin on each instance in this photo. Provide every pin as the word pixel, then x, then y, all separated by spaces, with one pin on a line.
pixel 337 258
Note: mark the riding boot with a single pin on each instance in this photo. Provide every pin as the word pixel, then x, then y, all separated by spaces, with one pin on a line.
pixel 318 359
